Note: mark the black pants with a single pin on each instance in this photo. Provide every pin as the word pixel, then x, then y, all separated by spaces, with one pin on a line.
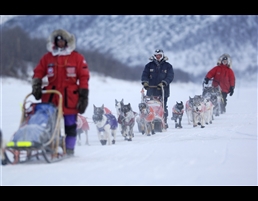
pixel 224 102
pixel 224 96
pixel 165 109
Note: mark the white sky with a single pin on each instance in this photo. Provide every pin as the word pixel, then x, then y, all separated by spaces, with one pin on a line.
pixel 222 153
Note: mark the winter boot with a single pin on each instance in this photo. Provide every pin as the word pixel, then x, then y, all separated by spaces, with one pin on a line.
pixel 103 142
pixel 166 124
pixel 70 143
pixel 70 152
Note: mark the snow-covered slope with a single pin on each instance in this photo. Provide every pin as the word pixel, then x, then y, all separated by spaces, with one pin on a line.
pixel 222 153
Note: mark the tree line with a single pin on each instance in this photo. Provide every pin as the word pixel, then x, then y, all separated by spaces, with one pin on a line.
pixel 19 52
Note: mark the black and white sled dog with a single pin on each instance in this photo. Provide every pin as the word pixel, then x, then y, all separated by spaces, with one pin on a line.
pixel 177 114
pixel 2 148
pixel 106 124
pixel 126 119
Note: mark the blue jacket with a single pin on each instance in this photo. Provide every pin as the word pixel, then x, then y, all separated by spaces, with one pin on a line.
pixel 156 72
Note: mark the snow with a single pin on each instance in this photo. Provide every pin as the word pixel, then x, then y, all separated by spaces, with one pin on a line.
pixel 222 153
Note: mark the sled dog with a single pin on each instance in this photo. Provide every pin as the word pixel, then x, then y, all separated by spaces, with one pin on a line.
pixel 2 149
pixel 214 94
pixel 145 120
pixel 177 114
pixel 126 119
pixel 189 110
pixel 208 113
pixel 198 111
pixel 106 124
pixel 82 127
pixel 118 112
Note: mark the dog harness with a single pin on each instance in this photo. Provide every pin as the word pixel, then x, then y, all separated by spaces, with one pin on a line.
pixel 177 111
pixel 150 116
pixel 111 120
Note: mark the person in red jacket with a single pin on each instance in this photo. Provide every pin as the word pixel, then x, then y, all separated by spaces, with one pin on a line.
pixel 67 71
pixel 223 76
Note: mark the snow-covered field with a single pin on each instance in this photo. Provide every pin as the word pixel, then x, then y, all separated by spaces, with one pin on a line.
pixel 222 153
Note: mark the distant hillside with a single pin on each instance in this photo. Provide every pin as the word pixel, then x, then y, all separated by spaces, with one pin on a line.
pixel 22 53
pixel 192 43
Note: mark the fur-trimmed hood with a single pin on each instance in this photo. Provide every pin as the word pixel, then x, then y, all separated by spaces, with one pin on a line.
pixel 152 58
pixel 229 60
pixel 70 38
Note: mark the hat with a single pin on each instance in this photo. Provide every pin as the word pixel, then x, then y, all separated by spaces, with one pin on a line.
pixel 59 37
pixel 158 51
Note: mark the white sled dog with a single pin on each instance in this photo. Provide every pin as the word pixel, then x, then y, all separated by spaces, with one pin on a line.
pixel 208 113
pixel 106 124
pixel 189 110
pixel 198 111
pixel 82 127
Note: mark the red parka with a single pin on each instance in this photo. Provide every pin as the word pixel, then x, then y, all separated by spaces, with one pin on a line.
pixel 223 76
pixel 66 72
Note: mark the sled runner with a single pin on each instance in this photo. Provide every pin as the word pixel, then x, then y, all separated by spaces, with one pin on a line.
pixel 157 105
pixel 40 134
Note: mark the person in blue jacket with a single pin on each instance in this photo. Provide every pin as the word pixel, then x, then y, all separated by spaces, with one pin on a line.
pixel 158 72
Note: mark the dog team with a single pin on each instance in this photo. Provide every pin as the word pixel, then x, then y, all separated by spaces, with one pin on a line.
pixel 152 110
pixel 200 109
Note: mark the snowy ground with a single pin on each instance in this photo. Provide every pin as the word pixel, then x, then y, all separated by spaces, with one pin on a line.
pixel 223 153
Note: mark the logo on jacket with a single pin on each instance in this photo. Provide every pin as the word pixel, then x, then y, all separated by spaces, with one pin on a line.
pixel 50 72
pixel 70 72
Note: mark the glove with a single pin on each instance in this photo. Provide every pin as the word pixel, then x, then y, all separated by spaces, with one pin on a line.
pixel 206 80
pixel 36 88
pixel 145 85
pixel 231 91
pixel 83 100
pixel 160 85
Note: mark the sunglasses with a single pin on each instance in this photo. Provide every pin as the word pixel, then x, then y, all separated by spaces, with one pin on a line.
pixel 158 51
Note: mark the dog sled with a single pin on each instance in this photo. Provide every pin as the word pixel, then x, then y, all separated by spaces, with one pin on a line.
pixel 41 133
pixel 155 104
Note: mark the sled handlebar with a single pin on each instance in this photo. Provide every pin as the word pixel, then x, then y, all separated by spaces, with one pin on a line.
pixel 153 86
